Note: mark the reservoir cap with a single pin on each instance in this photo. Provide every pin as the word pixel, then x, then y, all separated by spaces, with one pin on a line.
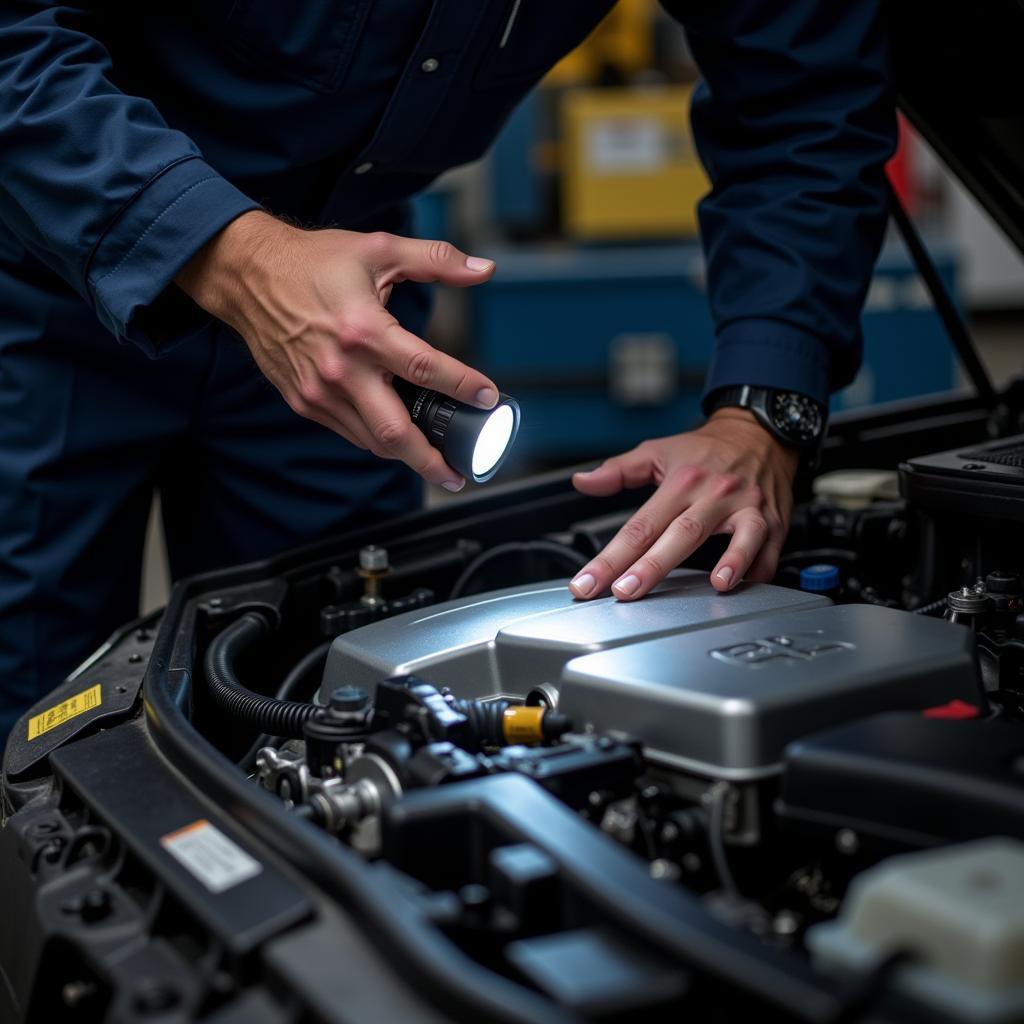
pixel 818 579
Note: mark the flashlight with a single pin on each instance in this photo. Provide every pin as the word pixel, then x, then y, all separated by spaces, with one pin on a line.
pixel 475 442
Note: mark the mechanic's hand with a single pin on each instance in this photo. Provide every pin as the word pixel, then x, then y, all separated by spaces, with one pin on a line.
pixel 730 476
pixel 311 307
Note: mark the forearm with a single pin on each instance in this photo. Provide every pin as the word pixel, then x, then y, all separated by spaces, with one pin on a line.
pixel 795 121
pixel 94 182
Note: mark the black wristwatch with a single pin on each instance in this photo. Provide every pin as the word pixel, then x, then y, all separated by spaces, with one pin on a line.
pixel 792 418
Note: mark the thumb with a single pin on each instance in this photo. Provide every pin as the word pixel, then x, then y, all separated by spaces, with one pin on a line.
pixel 414 259
pixel 632 469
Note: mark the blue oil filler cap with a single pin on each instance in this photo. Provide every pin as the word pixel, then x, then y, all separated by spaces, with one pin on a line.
pixel 819 579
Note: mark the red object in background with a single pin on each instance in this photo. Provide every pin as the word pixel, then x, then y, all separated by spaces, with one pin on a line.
pixel 954 709
pixel 900 167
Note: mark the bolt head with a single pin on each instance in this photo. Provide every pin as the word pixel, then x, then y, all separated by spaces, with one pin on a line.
pixel 847 841
pixel 348 698
pixel 373 558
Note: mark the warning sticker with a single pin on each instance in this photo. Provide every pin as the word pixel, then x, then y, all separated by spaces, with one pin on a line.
pixel 64 711
pixel 208 854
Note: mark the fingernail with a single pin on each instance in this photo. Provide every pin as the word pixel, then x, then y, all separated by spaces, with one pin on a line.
pixel 627 585
pixel 454 485
pixel 583 584
pixel 725 574
pixel 486 397
pixel 478 264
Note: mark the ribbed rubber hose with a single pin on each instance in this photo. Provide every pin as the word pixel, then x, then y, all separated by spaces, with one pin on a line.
pixel 486 719
pixel 268 714
pixel 931 609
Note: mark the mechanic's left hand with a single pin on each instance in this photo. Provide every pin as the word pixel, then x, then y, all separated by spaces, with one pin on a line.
pixel 730 476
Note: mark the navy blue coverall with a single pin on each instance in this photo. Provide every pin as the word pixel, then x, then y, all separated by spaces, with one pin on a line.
pixel 130 133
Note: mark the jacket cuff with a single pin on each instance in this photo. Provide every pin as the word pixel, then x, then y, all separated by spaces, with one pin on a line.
pixel 769 354
pixel 152 238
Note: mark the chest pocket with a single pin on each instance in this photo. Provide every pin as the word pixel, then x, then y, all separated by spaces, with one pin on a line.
pixel 528 37
pixel 307 41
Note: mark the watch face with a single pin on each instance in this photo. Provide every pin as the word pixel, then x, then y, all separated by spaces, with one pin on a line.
pixel 795 416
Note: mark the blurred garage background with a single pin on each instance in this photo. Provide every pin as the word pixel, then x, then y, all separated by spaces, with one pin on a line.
pixel 597 320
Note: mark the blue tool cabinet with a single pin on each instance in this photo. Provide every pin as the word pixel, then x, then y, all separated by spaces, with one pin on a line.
pixel 604 347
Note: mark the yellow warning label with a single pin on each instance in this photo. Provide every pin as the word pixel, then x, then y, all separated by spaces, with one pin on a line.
pixel 64 711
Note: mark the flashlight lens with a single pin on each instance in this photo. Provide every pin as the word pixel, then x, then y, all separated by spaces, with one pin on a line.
pixel 493 440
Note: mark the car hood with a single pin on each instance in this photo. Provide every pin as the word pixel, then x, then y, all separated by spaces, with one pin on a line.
pixel 958 80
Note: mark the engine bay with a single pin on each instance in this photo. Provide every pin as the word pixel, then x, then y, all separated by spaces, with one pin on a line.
pixel 793 801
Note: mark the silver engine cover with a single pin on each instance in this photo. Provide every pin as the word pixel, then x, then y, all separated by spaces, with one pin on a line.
pixel 715 684
pixel 506 642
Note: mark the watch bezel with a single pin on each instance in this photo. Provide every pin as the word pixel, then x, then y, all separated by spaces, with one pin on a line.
pixel 758 400
pixel 803 436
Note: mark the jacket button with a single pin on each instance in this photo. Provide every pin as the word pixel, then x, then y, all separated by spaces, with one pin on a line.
pixel 430 64
pixel 363 168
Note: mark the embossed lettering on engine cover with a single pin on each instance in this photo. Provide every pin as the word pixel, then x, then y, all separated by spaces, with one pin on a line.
pixel 796 647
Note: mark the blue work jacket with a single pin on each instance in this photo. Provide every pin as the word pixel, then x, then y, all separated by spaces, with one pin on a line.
pixel 130 133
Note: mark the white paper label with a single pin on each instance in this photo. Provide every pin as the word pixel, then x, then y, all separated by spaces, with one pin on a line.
pixel 626 145
pixel 205 852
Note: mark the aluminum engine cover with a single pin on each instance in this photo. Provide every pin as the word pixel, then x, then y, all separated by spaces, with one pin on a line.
pixel 506 642
pixel 725 701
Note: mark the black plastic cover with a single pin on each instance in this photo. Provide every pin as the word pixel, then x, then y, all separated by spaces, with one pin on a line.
pixel 909 780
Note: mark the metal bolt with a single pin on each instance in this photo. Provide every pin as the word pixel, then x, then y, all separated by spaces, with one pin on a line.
pixel 373 567
pixel 847 841
pixel 475 896
pixel 373 558
pixel 52 850
pixel 134 659
pixel 785 922
pixel 669 832
pixel 74 993
pixel 664 870
pixel 95 906
pixel 348 698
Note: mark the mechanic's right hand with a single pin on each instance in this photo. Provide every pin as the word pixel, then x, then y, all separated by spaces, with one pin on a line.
pixel 311 307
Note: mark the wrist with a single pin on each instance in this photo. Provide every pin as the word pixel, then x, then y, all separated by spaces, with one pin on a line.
pixel 743 427
pixel 215 278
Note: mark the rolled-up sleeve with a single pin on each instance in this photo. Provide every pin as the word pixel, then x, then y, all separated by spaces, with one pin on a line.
pixel 794 121
pixel 93 181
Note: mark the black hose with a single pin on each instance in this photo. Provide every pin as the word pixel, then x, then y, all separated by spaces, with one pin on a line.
pixel 295 677
pixel 268 714
pixel 569 557
pixel 719 793
pixel 486 720
pixel 298 672
pixel 931 609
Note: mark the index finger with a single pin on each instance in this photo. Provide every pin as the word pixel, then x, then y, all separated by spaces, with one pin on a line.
pixel 639 533
pixel 421 364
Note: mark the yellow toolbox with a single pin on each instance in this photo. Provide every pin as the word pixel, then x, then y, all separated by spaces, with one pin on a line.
pixel 629 165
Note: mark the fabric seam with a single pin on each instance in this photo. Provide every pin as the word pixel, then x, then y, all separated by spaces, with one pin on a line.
pixel 167 209
pixel 126 205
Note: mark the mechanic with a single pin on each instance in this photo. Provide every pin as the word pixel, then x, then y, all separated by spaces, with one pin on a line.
pixel 184 175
